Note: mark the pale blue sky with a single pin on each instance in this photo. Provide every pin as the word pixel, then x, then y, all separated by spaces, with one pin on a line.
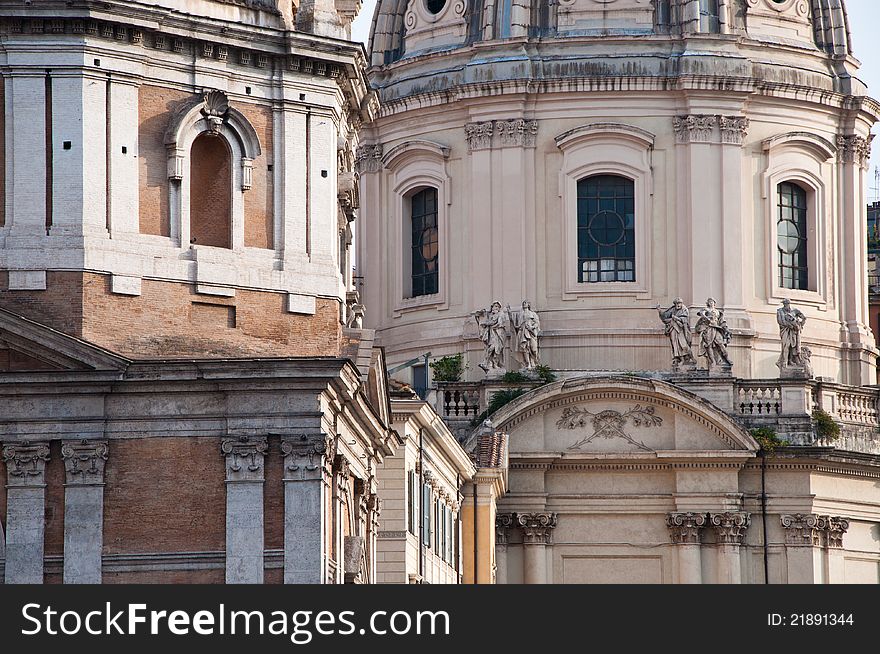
pixel 864 18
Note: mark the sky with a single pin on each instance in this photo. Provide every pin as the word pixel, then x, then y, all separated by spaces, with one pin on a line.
pixel 864 19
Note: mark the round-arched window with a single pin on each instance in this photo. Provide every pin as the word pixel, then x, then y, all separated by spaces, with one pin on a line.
pixel 435 6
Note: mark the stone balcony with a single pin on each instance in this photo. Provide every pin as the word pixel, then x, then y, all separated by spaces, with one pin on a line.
pixel 786 405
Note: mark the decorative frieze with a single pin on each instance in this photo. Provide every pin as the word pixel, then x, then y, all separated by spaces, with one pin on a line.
pixel 504 522
pixel 368 158
pixel 855 149
pixel 26 464
pixel 686 528
pixel 84 462
pixel 245 458
pixel 803 529
pixel 733 129
pixel 516 132
pixel 307 456
pixel 730 528
pixel 536 527
pixel 694 128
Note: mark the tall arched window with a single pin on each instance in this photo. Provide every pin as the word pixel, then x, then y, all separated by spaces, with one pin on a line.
pixel 791 229
pixel 606 229
pixel 710 16
pixel 210 198
pixel 425 243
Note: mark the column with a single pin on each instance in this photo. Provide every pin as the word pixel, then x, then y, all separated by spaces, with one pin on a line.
pixel 734 227
pixel 25 511
pixel 245 474
pixel 536 529
pixel 686 530
pixel 84 463
pixel 306 486
pixel 730 530
pixel 504 522
pixel 803 542
pixel 835 528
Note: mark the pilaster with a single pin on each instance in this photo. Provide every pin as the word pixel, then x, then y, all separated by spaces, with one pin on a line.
pixel 686 530
pixel 245 474
pixel 536 529
pixel 25 511
pixel 84 463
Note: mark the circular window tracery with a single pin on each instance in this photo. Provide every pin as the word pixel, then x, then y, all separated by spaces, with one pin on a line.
pixel 435 6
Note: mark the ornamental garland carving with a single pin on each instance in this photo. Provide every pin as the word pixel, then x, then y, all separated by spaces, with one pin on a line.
pixel 609 424
pixel 307 456
pixel 26 463
pixel 84 461
pixel 700 128
pixel 515 132
pixel 245 458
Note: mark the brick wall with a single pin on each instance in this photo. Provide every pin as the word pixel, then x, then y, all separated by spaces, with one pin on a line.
pixel 217 576
pixel 11 361
pixel 210 196
pixel 60 306
pixel 165 495
pixel 273 496
pixel 55 478
pixel 259 200
pixel 155 107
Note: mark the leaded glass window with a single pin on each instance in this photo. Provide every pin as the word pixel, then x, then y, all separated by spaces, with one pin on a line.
pixel 791 229
pixel 606 229
pixel 425 243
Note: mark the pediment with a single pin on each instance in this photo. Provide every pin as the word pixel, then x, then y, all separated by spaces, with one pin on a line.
pixel 28 346
pixel 612 416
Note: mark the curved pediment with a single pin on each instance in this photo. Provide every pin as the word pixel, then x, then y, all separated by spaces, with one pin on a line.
pixel 618 415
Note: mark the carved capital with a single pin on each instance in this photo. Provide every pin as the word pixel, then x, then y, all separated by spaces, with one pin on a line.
pixel 368 158
pixel 307 456
pixel 536 527
pixel 26 464
pixel 730 528
pixel 733 129
pixel 84 462
pixel 245 458
pixel 504 522
pixel 694 128
pixel 686 528
pixel 517 132
pixel 803 530
pixel 855 149
pixel 479 135
pixel 835 527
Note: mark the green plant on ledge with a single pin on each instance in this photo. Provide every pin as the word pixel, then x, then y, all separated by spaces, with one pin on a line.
pixel 497 401
pixel 826 428
pixel 768 439
pixel 515 377
pixel 545 374
pixel 448 369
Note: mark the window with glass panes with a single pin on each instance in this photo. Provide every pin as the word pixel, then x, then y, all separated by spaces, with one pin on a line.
pixel 606 229
pixel 710 16
pixel 791 229
pixel 425 243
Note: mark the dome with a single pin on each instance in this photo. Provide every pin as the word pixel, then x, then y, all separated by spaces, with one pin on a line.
pixel 409 28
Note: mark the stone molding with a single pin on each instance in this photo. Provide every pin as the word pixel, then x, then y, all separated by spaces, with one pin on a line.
pixel 514 132
pixel 307 456
pixel 84 462
pixel 504 522
pixel 686 528
pixel 730 528
pixel 245 458
pixel 700 128
pixel 536 527
pixel 26 464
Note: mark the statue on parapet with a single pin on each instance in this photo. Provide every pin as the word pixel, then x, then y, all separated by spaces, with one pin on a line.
pixel 527 326
pixel 677 321
pixel 794 361
pixel 493 332
pixel 715 336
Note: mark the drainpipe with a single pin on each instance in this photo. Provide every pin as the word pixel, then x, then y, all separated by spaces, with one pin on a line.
pixel 421 506
pixel 476 535
pixel 764 514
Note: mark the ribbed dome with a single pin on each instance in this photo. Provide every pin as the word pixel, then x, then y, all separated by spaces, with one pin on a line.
pixel 406 28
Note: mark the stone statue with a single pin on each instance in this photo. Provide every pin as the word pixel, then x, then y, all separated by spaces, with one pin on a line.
pixel 714 337
pixel 678 328
pixel 791 323
pixel 527 325
pixel 493 333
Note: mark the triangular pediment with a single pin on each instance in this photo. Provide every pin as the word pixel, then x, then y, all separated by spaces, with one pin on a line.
pixel 28 346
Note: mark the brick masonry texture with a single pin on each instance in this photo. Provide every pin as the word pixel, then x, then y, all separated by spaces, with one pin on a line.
pixel 55 479
pixel 155 106
pixel 259 200
pixel 217 576
pixel 273 496
pixel 165 495
pixel 210 201
pixel 161 323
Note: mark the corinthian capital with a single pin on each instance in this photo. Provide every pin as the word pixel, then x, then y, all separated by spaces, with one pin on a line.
pixel 686 528
pixel 26 464
pixel 536 527
pixel 84 462
pixel 730 528
pixel 245 457
pixel 694 128
pixel 835 528
pixel 307 456
pixel 803 529
pixel 504 522
pixel 733 129
pixel 855 149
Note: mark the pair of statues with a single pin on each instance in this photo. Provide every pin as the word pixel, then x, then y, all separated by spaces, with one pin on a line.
pixel 493 324
pixel 715 336
pixel 712 329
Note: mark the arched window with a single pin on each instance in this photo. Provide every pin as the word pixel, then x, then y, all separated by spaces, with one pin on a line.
pixel 425 243
pixel 210 198
pixel 606 229
pixel 791 229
